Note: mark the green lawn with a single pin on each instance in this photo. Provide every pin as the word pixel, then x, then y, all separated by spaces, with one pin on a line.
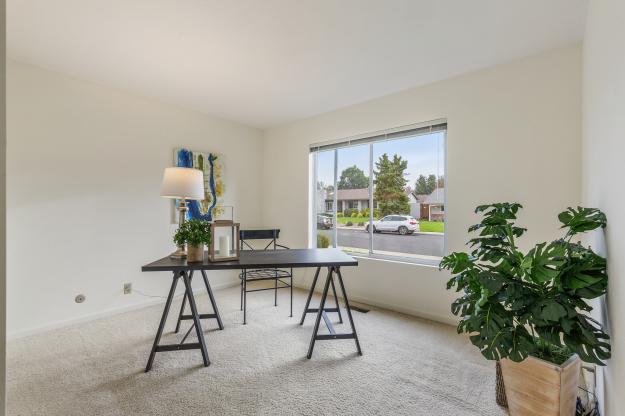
pixel 344 220
pixel 425 226
pixel 432 226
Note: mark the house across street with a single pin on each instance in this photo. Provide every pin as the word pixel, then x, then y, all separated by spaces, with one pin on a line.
pixel 429 207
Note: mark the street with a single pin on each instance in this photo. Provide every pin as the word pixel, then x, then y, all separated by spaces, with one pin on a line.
pixel 422 244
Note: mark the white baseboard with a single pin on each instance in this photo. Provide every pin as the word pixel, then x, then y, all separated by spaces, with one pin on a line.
pixel 397 308
pixel 408 311
pixel 149 302
pixel 105 313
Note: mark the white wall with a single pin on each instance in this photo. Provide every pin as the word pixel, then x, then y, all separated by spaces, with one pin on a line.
pixel 84 213
pixel 514 135
pixel 2 208
pixel 85 162
pixel 603 152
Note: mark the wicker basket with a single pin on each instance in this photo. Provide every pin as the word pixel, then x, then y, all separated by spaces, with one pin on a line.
pixel 500 390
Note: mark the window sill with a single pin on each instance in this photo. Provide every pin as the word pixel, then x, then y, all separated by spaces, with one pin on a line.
pixel 426 261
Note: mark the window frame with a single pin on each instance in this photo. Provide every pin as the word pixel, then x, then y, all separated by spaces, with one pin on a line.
pixel 439 125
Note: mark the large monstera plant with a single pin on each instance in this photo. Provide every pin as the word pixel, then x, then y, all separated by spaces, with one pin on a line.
pixel 514 305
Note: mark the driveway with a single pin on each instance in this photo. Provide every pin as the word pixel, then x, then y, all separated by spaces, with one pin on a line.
pixel 423 244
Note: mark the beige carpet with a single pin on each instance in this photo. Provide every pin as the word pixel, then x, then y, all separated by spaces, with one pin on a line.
pixel 409 367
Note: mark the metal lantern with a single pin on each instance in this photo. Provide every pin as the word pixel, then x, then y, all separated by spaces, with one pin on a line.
pixel 224 245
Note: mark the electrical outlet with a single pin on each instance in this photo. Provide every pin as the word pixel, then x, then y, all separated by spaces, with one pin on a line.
pixel 127 288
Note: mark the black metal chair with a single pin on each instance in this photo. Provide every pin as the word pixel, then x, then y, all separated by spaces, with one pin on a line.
pixel 275 274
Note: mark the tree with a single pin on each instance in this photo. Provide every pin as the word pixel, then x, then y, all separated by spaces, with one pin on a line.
pixel 425 186
pixel 421 186
pixel 390 185
pixel 353 178
pixel 431 183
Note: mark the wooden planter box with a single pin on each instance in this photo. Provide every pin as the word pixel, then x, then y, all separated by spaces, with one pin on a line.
pixel 540 388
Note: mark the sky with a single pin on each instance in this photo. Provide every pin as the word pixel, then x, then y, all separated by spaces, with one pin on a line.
pixel 425 155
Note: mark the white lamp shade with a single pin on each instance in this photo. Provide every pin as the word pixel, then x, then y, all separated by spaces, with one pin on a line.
pixel 181 183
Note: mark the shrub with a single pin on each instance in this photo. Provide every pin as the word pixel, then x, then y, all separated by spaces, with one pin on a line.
pixel 349 224
pixel 322 241
pixel 361 224
pixel 354 214
pixel 360 215
pixel 365 212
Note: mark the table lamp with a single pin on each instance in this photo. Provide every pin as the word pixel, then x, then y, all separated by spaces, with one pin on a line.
pixel 182 184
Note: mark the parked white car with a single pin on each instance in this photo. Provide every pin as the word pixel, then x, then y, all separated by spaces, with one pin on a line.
pixel 402 224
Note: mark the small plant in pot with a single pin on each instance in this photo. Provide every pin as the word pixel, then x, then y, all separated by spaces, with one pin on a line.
pixel 195 234
pixel 530 310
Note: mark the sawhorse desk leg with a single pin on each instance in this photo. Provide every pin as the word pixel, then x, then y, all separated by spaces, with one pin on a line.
pixel 322 311
pixel 214 315
pixel 195 316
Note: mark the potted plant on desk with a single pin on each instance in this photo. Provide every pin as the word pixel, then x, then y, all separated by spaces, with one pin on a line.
pixel 195 234
pixel 530 310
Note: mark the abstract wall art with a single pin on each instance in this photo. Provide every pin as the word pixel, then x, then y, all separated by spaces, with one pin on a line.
pixel 211 166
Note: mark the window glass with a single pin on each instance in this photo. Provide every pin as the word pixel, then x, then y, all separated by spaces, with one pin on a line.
pixel 353 188
pixel 324 199
pixel 402 179
pixel 409 179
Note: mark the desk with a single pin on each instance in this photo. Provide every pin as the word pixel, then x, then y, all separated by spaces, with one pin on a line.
pixel 332 259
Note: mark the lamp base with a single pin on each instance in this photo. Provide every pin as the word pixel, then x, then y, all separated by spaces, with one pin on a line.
pixel 179 254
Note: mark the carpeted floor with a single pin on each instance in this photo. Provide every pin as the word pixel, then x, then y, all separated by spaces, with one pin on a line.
pixel 409 367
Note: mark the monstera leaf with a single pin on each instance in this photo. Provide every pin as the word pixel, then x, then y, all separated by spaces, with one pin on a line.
pixel 522 344
pixel 588 340
pixel 488 326
pixel 582 219
pixel 515 304
pixel 549 310
pixel 585 276
pixel 496 336
pixel 543 262
pixel 457 262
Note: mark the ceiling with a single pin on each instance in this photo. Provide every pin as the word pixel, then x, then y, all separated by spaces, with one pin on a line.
pixel 267 62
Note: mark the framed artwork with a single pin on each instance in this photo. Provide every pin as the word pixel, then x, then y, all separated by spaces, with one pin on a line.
pixel 211 166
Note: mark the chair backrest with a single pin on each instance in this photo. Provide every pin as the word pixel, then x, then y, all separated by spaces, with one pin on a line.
pixel 271 235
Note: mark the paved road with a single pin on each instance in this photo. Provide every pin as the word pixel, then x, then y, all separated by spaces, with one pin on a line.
pixel 424 244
